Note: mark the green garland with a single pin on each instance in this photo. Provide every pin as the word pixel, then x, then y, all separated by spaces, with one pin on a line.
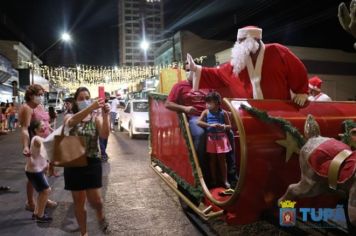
pixel 157 96
pixel 196 192
pixel 191 158
pixel 346 137
pixel 285 125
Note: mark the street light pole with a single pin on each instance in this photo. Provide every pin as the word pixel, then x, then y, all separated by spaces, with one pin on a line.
pixel 32 65
pixel 173 49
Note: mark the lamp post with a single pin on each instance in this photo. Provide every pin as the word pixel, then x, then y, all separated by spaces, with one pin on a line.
pixel 65 37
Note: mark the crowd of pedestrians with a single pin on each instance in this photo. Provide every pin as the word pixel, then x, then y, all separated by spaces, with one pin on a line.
pixel 8 117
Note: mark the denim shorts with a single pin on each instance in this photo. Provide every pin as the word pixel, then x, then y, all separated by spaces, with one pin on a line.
pixel 38 180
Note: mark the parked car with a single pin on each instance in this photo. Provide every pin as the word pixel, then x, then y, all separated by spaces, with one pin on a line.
pixel 134 118
pixel 58 104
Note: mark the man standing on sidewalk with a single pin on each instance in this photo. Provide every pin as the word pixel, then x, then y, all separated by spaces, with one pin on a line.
pixel 103 142
pixel 113 112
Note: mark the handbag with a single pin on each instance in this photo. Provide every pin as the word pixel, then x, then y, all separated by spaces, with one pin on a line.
pixel 69 151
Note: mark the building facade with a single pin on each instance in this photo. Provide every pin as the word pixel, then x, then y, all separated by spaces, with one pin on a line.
pixel 19 55
pixel 176 48
pixel 139 20
pixel 9 80
pixel 21 58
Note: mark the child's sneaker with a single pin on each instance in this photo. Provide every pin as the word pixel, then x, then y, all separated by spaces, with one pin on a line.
pixel 44 219
pixel 227 185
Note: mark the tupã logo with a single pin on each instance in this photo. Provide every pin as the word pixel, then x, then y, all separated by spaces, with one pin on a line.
pixel 287 213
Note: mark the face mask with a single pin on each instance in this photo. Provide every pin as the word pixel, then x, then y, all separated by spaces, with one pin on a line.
pixel 84 104
pixel 38 99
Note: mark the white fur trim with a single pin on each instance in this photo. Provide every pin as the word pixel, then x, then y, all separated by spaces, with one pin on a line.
pixel 322 97
pixel 255 73
pixel 196 78
pixel 314 87
pixel 249 32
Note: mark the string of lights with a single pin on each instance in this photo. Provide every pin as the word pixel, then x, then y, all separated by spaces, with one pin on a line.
pixel 70 78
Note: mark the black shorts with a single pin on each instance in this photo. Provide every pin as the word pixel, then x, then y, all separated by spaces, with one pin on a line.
pixel 38 180
pixel 82 178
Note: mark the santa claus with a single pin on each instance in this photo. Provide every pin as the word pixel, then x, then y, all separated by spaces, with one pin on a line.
pixel 256 70
pixel 315 90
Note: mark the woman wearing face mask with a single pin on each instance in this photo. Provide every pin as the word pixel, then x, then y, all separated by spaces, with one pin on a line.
pixel 85 182
pixel 32 110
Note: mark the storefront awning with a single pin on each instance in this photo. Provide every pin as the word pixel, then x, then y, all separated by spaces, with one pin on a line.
pixel 5 93
pixel 4 76
pixel 5 69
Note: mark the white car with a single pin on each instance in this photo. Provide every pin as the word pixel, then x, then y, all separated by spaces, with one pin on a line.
pixel 57 104
pixel 134 118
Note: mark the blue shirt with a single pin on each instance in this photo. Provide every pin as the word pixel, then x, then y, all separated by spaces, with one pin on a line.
pixel 215 118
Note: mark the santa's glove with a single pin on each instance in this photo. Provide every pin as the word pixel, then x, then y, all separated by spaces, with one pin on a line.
pixel 344 17
pixel 191 64
pixel 347 18
pixel 353 18
pixel 300 99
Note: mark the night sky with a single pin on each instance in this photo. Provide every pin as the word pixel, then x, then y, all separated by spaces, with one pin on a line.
pixel 93 23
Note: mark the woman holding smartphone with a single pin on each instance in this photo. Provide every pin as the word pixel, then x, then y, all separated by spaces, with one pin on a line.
pixel 85 182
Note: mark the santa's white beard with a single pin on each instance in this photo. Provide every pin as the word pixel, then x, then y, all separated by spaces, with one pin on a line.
pixel 240 53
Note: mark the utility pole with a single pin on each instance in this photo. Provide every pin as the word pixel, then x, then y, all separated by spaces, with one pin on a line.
pixel 32 65
pixel 173 49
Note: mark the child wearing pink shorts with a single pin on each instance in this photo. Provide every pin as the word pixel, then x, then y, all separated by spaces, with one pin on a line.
pixel 217 122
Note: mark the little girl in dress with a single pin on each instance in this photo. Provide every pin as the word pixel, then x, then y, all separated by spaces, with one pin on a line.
pixel 36 168
pixel 217 122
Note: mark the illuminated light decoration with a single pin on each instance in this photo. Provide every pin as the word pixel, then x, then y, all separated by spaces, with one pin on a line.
pixel 113 77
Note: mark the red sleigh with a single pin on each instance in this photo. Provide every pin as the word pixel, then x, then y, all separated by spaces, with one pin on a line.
pixel 264 171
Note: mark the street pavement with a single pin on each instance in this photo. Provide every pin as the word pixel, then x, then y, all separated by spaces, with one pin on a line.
pixel 136 201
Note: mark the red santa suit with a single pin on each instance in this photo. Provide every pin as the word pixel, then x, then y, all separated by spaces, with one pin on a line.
pixel 277 72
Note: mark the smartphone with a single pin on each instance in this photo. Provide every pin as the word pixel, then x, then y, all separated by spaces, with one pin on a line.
pixel 101 92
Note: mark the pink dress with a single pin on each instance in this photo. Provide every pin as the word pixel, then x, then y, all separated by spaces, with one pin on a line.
pixel 217 140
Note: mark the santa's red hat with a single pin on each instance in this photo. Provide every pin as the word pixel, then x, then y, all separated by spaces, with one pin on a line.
pixel 249 31
pixel 315 83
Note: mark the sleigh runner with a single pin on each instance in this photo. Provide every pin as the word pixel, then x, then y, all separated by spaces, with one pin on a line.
pixel 267 147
